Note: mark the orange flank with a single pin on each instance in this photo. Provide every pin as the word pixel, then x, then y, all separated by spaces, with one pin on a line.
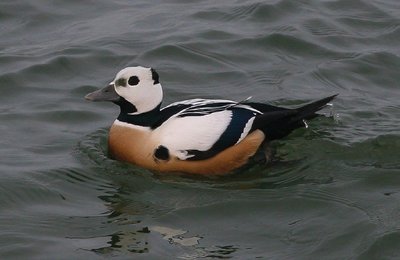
pixel 137 146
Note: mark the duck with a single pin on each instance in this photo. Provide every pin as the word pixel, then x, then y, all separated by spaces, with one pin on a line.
pixel 195 136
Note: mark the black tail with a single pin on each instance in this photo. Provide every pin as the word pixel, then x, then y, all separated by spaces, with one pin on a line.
pixel 278 122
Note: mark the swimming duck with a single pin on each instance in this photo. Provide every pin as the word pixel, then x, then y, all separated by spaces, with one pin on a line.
pixel 197 136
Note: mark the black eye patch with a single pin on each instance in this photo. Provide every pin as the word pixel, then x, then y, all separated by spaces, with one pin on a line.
pixel 121 82
pixel 133 81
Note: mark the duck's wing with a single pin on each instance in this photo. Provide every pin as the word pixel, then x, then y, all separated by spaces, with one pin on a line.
pixel 205 127
pixel 176 108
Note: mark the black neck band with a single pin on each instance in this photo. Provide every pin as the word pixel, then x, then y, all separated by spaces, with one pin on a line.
pixel 143 119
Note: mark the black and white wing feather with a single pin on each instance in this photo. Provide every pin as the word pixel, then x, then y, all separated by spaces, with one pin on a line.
pixel 201 128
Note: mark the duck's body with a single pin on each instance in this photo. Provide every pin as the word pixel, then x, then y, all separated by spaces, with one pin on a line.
pixel 198 136
pixel 139 146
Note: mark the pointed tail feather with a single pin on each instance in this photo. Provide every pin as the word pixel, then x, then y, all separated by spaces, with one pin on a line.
pixel 309 111
pixel 279 124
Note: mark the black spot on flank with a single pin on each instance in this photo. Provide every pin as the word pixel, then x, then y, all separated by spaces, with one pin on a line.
pixel 155 76
pixel 134 80
pixel 161 153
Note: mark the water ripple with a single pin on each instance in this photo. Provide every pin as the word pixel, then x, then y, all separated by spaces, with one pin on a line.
pixel 332 189
pixel 319 27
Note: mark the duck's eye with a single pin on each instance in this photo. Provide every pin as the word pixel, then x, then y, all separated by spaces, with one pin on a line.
pixel 133 81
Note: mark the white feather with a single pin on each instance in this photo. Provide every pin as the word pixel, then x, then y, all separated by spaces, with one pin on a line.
pixel 199 105
pixel 192 133
pixel 137 127
pixel 200 102
pixel 246 129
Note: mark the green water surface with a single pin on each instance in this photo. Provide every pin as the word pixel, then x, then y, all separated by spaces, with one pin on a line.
pixel 331 193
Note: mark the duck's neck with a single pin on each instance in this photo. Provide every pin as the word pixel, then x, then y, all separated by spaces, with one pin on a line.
pixel 129 114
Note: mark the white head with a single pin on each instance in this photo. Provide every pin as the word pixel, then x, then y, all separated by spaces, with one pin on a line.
pixel 138 86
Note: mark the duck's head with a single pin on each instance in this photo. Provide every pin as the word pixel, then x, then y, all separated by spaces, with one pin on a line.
pixel 135 89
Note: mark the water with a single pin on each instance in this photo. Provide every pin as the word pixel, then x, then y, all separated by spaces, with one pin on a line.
pixel 332 193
